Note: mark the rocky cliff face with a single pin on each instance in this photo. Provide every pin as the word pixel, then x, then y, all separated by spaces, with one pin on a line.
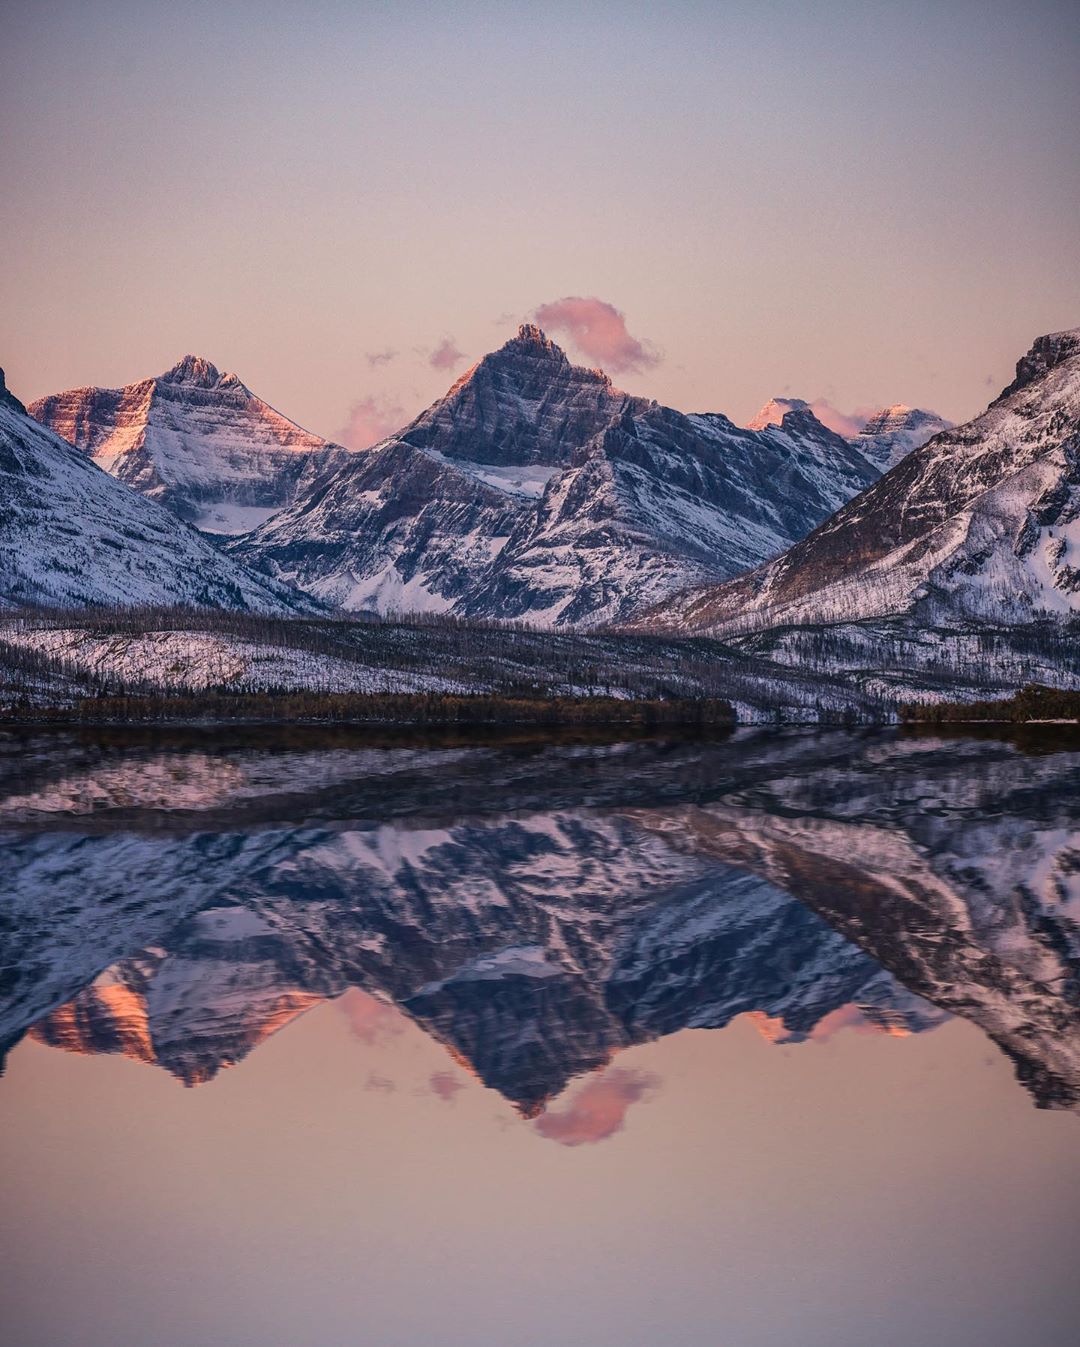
pixel 662 888
pixel 981 524
pixel 194 439
pixel 657 501
pixel 536 490
pixel 71 536
pixel 524 404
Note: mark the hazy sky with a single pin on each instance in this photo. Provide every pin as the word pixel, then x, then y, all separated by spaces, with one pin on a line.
pixel 346 203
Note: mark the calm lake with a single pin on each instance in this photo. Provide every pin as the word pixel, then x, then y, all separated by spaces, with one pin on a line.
pixel 314 1040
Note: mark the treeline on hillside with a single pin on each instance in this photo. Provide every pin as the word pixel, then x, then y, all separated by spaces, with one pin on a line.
pixel 378 709
pixel 1034 702
pixel 511 659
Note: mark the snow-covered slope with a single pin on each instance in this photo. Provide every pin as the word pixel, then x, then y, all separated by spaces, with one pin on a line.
pixel 72 536
pixel 981 524
pixel 537 490
pixel 659 500
pixel 194 439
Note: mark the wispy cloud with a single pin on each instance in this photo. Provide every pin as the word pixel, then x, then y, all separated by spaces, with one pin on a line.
pixel 377 358
pixel 446 355
pixel 371 419
pixel 598 1110
pixel 379 1083
pixel 598 330
pixel 843 423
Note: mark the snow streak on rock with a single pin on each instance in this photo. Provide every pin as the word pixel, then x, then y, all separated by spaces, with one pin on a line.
pixel 70 535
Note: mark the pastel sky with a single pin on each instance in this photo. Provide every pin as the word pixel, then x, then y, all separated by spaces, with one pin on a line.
pixel 862 201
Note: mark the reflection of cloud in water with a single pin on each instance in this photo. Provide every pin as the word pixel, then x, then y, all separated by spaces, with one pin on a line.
pixel 379 1083
pixel 445 1085
pixel 599 1108
pixel 372 1021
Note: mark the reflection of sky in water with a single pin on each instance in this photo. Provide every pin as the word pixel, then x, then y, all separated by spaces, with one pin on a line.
pixel 334 1189
pixel 736 1043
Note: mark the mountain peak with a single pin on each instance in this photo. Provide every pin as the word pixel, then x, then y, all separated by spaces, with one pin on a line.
pixel 193 369
pixel 1046 352
pixel 531 341
pixel 531 335
pixel 774 411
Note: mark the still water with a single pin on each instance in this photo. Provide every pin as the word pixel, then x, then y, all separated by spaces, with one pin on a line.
pixel 772 1041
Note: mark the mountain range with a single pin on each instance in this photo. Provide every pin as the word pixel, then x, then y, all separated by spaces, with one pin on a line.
pixel 536 490
pixel 980 526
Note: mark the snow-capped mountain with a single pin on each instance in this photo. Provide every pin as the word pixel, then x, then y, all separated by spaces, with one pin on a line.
pixel 888 435
pixel 535 489
pixel 980 525
pixel 194 439
pixel 893 432
pixel 657 501
pixel 71 535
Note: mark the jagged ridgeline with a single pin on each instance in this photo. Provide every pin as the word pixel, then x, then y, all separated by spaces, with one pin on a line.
pixel 963 557
pixel 536 489
pixel 533 490
pixel 537 492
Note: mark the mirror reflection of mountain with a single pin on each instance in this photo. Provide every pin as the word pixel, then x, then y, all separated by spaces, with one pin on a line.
pixel 537 908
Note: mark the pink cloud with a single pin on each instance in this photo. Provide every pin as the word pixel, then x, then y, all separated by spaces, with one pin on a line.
pixel 371 420
pixel 445 1085
pixel 599 331
pixel 844 423
pixel 377 358
pixel 598 1110
pixel 446 355
pixel 371 1020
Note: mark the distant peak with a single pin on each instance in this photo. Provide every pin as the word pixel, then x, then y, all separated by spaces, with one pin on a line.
pixel 1046 353
pixel 900 417
pixel 774 411
pixel 193 369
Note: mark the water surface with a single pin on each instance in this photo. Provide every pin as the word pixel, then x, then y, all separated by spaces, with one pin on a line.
pixel 770 1040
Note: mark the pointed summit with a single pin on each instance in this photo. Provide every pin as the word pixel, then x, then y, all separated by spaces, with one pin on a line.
pixel 8 398
pixel 195 439
pixel 1045 354
pixel 529 335
pixel 522 404
pixel 893 432
pixel 194 370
